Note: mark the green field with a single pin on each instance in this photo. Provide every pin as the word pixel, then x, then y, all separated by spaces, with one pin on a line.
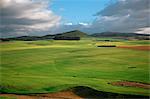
pixel 51 66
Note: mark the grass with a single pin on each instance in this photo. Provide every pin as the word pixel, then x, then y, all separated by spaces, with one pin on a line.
pixel 1 97
pixel 50 66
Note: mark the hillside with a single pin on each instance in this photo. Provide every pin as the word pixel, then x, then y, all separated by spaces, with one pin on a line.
pixel 53 66
pixel 75 33
pixel 115 34
pixel 122 35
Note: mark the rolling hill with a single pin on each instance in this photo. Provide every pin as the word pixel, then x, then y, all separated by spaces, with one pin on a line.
pixel 77 33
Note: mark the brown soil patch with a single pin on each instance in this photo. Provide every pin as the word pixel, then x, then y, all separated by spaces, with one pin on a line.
pixel 79 92
pixel 145 48
pixel 58 95
pixel 131 84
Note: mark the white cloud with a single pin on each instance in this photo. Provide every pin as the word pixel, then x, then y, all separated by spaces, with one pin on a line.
pixel 122 0
pixel 26 17
pixel 68 23
pixel 123 16
pixel 84 24
pixel 34 17
pixel 144 30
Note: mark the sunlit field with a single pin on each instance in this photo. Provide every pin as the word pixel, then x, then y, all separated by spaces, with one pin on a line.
pixel 51 66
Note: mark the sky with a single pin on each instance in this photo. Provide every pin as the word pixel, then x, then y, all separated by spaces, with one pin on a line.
pixel 42 17
pixel 76 11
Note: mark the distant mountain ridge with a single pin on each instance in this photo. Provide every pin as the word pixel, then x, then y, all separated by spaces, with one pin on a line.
pixel 128 36
pixel 117 34
pixel 77 33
